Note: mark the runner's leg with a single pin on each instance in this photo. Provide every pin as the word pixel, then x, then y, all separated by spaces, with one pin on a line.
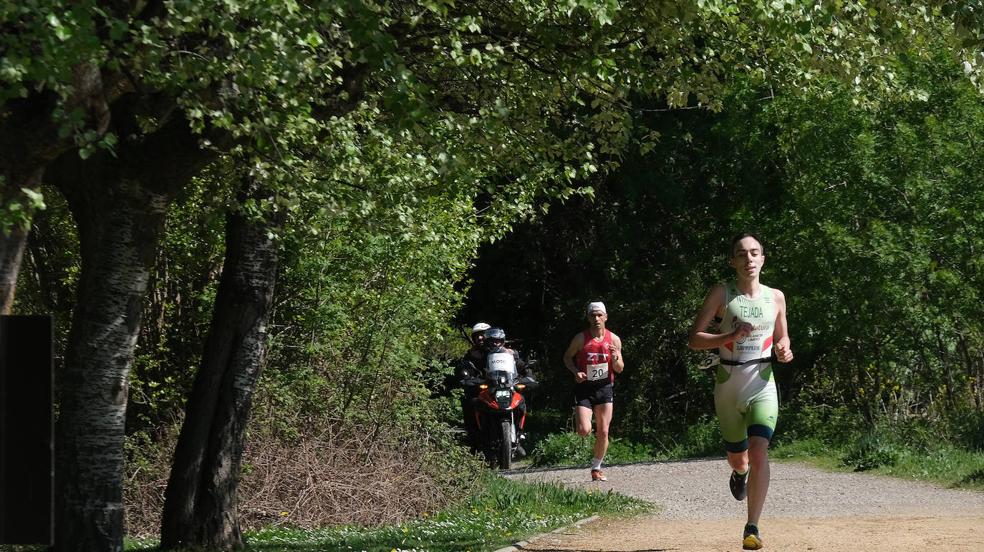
pixel 603 417
pixel 763 411
pixel 738 461
pixel 758 477
pixel 582 420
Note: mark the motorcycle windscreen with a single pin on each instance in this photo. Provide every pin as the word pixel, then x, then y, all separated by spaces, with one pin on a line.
pixel 501 362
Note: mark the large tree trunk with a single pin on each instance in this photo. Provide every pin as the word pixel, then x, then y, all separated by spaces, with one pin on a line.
pixel 119 204
pixel 200 506
pixel 119 234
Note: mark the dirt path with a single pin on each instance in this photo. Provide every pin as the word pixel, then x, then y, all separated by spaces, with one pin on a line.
pixel 807 510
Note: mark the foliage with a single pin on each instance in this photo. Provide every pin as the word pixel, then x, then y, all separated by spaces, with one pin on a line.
pixel 968 427
pixel 570 449
pixel 275 77
pixel 887 451
pixel 700 439
pixel 869 220
pixel 330 473
pixel 499 511
pixel 910 257
pixel 399 137
pixel 871 451
pixel 48 283
pixel 502 512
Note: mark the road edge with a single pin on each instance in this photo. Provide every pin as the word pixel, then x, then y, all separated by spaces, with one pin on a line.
pixel 519 545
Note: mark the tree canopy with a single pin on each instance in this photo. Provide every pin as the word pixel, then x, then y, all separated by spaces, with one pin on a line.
pixel 393 139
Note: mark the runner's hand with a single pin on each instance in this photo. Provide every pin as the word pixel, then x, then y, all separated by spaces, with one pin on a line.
pixel 581 377
pixel 741 331
pixel 783 353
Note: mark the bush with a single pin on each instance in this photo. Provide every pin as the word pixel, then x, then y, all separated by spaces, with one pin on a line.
pixel 570 449
pixel 702 438
pixel 969 430
pixel 562 449
pixel 148 465
pixel 342 475
pixel 872 450
pixel 336 474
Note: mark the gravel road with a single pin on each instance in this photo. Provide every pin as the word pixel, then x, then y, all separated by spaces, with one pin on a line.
pixel 807 509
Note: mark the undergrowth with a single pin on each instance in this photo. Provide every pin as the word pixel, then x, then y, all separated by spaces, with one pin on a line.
pixel 501 511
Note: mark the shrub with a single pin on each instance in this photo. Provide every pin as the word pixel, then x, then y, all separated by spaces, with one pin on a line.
pixel 702 438
pixel 969 430
pixel 562 449
pixel 335 474
pixel 872 450
pixel 570 449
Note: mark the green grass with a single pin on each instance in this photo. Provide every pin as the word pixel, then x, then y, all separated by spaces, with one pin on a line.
pixel 504 512
pixel 943 464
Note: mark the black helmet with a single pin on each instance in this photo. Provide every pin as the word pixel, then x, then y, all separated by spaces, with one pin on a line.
pixel 494 338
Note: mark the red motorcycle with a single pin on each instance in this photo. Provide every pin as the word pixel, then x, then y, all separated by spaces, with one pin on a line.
pixel 500 409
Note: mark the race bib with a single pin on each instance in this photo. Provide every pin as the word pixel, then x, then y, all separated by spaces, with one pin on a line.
pixel 597 371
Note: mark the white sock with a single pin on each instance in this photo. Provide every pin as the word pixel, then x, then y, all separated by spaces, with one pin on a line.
pixel 596 463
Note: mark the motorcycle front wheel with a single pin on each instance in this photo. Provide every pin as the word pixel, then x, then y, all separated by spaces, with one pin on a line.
pixel 505 445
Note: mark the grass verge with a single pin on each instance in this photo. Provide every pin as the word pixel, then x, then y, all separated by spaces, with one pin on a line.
pixel 504 512
pixel 943 464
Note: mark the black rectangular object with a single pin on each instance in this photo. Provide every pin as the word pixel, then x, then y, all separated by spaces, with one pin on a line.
pixel 26 431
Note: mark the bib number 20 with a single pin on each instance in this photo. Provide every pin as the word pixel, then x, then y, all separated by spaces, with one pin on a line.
pixel 597 372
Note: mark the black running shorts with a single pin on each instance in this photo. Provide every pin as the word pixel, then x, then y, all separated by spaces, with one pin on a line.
pixel 589 395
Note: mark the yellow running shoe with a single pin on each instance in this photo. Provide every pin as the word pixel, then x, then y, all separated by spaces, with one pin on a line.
pixel 750 539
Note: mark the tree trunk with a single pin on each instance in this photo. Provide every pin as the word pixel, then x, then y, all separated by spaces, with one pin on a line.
pixel 201 507
pixel 117 244
pixel 119 204
pixel 14 238
pixel 11 252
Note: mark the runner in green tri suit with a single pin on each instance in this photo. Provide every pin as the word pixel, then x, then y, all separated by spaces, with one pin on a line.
pixel 753 332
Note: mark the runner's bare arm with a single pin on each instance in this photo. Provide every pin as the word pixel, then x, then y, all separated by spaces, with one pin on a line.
pixel 576 344
pixel 618 364
pixel 780 334
pixel 698 338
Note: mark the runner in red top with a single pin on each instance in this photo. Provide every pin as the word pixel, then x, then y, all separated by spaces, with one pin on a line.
pixel 594 357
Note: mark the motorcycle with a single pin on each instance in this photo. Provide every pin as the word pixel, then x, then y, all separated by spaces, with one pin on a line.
pixel 500 408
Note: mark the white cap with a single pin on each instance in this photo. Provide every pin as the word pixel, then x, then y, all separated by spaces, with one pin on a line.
pixel 596 306
pixel 480 327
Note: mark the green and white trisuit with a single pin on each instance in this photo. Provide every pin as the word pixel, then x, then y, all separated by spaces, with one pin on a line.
pixel 745 395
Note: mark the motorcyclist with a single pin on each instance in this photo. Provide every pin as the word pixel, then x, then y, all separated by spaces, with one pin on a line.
pixel 472 365
pixel 495 342
pixel 475 356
